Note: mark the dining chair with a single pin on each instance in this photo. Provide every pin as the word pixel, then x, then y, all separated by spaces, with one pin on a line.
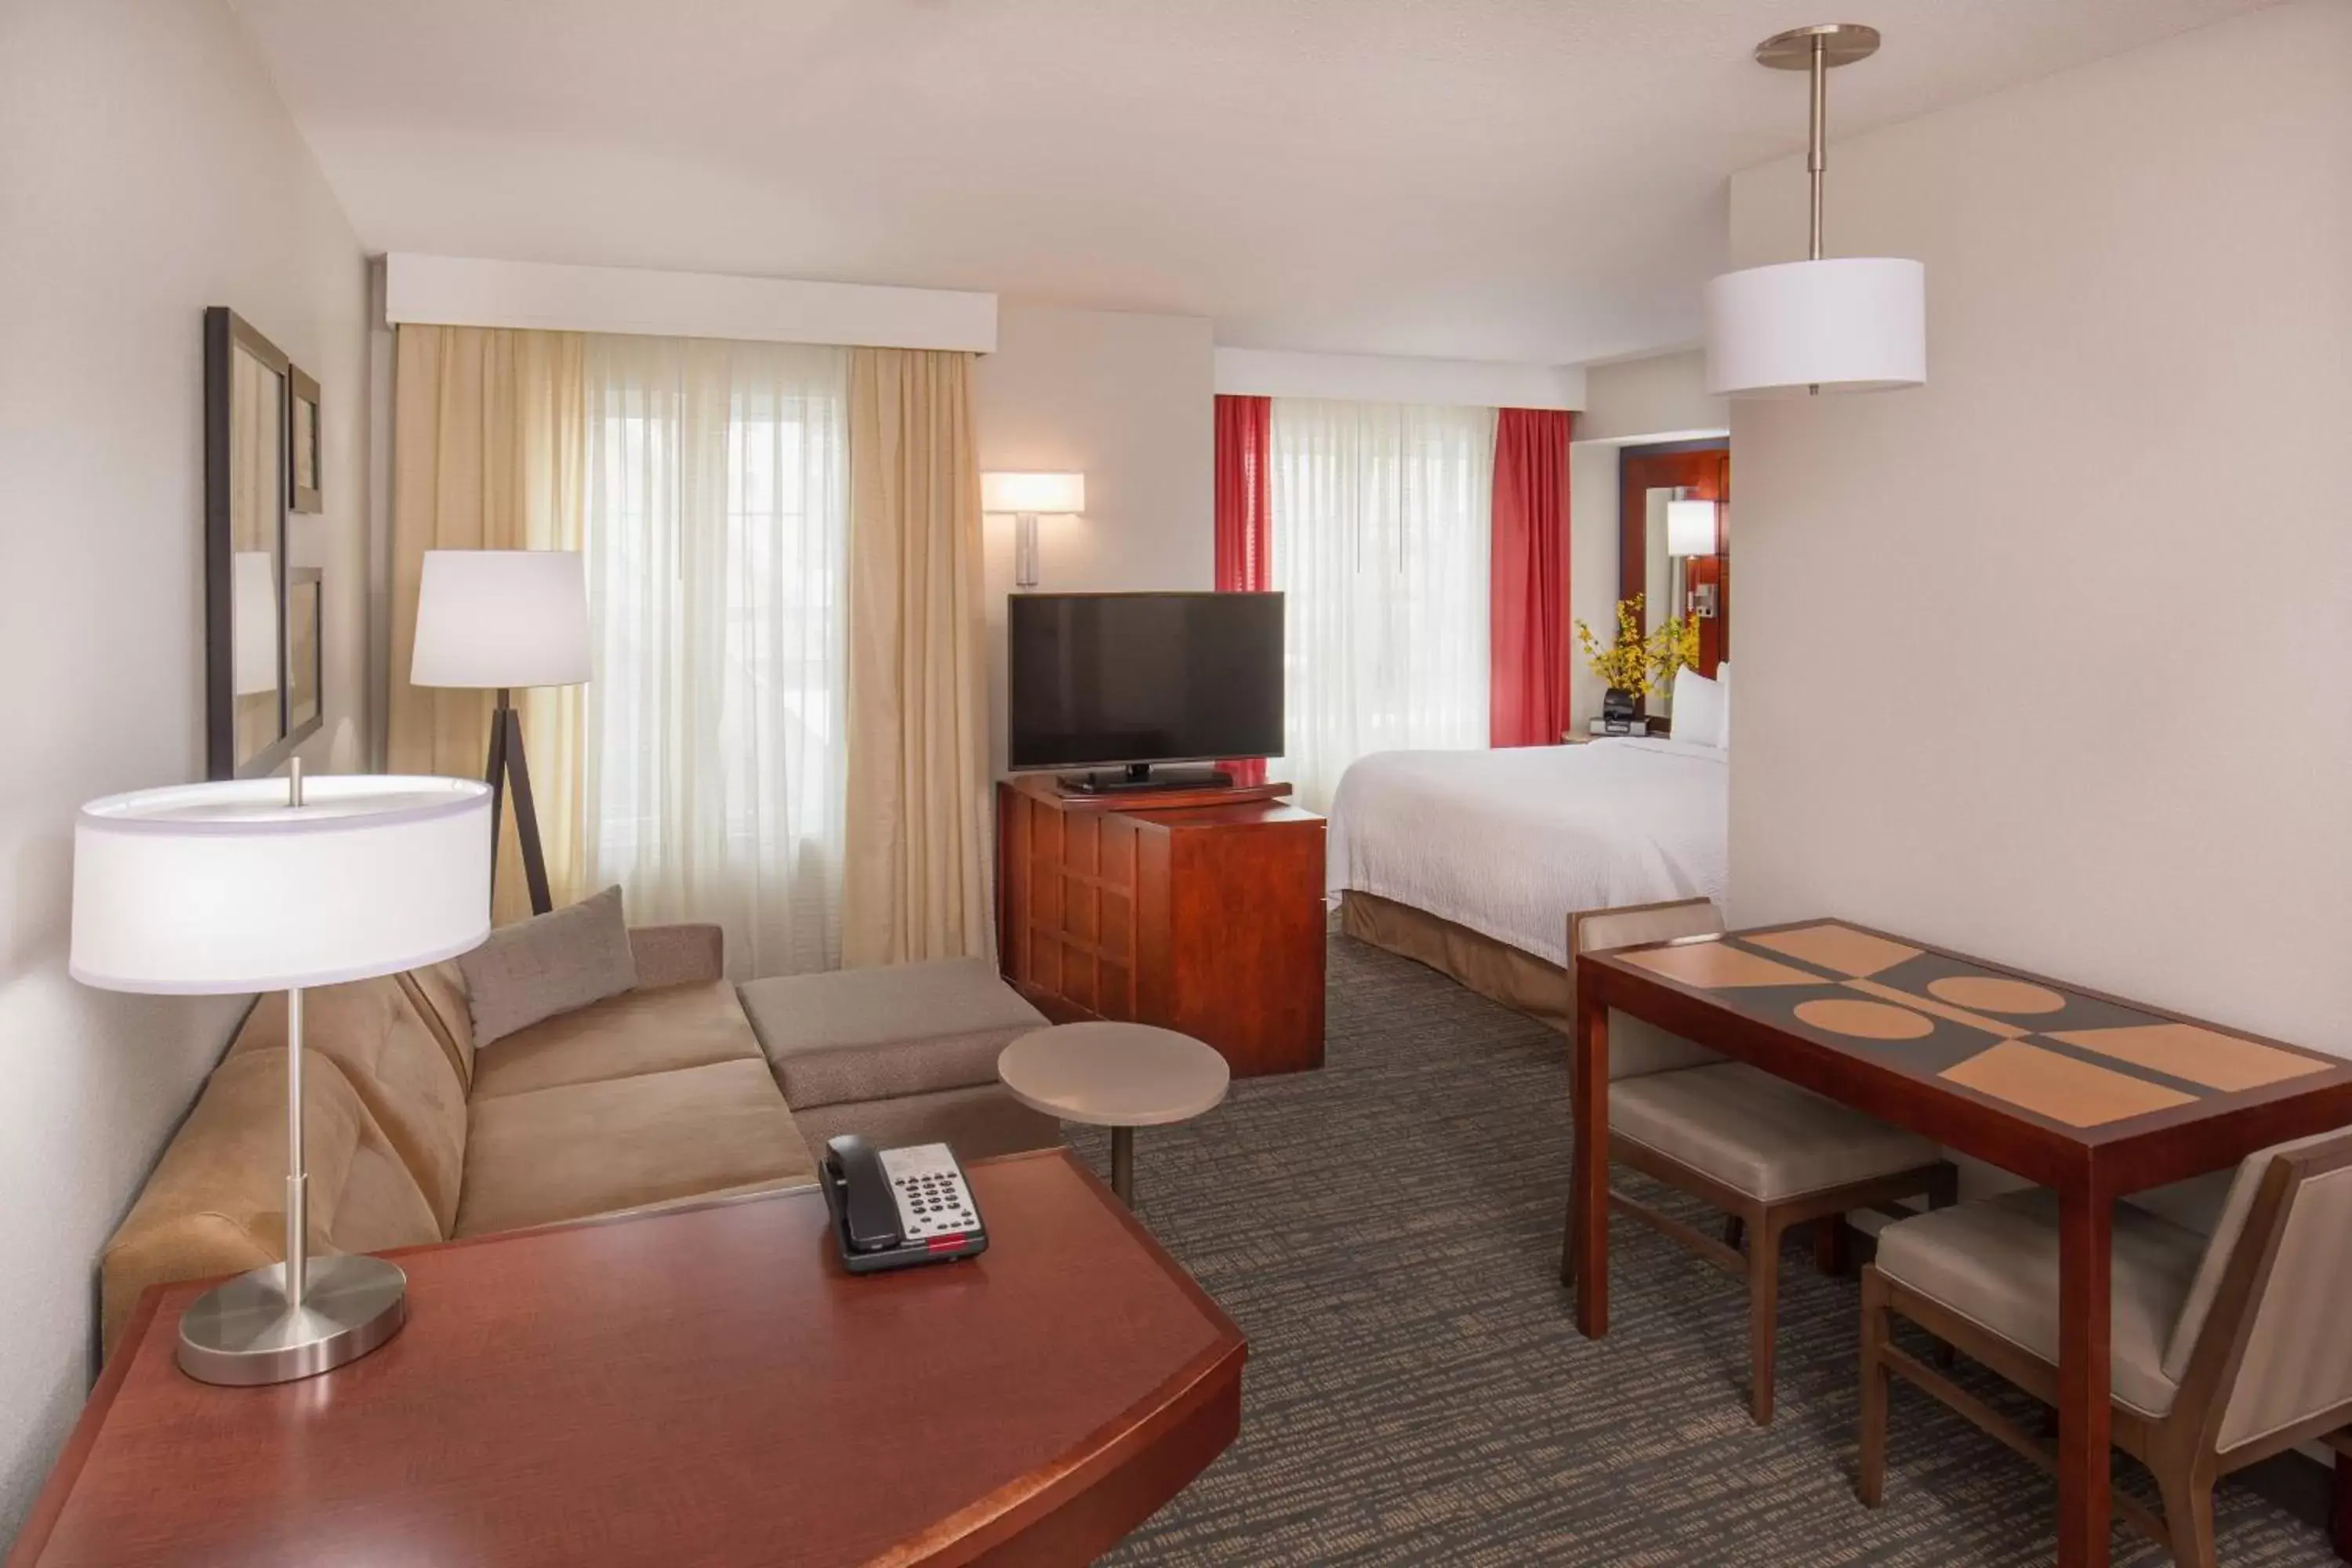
pixel 2225 1350
pixel 1766 1152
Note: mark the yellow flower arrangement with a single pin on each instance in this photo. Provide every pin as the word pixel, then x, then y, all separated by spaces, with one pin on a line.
pixel 1636 664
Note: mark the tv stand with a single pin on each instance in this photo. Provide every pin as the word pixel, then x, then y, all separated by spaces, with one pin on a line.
pixel 1199 911
pixel 1138 778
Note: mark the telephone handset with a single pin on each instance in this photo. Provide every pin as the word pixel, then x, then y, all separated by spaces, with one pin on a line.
pixel 894 1207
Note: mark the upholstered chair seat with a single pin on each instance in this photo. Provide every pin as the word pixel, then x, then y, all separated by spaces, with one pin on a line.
pixel 1761 1134
pixel 1995 1262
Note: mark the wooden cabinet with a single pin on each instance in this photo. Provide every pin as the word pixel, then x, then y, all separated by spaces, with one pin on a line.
pixel 1201 912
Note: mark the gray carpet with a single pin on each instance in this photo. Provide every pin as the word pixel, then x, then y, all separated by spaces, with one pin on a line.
pixel 1387 1232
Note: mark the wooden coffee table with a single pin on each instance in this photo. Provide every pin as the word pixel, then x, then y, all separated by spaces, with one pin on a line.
pixel 2078 1091
pixel 1120 1076
pixel 703 1386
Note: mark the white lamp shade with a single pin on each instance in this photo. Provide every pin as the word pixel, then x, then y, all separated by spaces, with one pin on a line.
pixel 1058 494
pixel 1851 323
pixel 502 617
pixel 1690 528
pixel 224 888
pixel 253 621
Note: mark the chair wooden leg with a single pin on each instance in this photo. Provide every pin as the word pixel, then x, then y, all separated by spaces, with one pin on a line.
pixel 2188 1496
pixel 1870 1482
pixel 1830 1244
pixel 1763 1311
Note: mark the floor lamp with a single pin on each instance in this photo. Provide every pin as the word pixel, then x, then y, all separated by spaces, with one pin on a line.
pixel 498 619
pixel 268 885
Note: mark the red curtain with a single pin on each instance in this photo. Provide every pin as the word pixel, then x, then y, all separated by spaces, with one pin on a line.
pixel 1528 677
pixel 1244 527
pixel 1244 534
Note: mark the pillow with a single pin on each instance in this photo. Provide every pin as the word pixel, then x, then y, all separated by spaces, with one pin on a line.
pixel 1723 680
pixel 1700 709
pixel 551 963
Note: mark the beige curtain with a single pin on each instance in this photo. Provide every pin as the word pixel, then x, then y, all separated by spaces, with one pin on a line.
pixel 487 440
pixel 916 857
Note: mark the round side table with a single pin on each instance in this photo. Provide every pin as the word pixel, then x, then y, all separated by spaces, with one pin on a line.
pixel 1120 1076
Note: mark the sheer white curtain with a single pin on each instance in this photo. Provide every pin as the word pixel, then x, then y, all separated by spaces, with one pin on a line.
pixel 1382 527
pixel 717 533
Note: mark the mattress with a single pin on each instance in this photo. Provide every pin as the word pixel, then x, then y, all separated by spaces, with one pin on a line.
pixel 1508 843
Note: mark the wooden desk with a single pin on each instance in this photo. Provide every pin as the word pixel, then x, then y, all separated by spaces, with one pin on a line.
pixel 1199 911
pixel 702 1386
pixel 2080 1091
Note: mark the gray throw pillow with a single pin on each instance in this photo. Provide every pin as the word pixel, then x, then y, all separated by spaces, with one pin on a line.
pixel 551 963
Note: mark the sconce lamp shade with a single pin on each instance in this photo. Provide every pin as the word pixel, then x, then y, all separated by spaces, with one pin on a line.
pixel 1848 323
pixel 224 888
pixel 253 621
pixel 1690 528
pixel 502 617
pixel 1058 495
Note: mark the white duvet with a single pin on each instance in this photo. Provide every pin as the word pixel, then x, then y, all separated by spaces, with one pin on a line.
pixel 1509 842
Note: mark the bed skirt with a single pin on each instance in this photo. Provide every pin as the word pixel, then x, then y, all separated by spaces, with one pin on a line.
pixel 1511 975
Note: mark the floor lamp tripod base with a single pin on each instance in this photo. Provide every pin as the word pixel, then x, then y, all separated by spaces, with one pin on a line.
pixel 242 1332
pixel 509 776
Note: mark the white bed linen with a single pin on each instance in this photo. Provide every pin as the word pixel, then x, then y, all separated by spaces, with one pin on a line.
pixel 1509 842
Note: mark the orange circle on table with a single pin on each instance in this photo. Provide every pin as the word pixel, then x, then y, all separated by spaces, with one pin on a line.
pixel 1992 993
pixel 1865 1020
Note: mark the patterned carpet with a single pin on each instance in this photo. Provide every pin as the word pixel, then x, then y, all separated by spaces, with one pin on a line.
pixel 1387 1232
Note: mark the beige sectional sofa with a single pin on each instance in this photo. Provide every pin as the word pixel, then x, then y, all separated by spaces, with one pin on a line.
pixel 664 1094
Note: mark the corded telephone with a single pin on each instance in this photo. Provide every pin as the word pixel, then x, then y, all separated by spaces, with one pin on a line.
pixel 896 1207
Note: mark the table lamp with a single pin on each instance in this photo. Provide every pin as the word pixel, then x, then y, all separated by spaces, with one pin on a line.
pixel 500 619
pixel 268 885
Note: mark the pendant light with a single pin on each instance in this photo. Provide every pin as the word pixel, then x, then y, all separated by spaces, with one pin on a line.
pixel 1856 323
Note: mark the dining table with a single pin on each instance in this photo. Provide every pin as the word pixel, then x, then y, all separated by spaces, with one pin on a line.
pixel 2083 1093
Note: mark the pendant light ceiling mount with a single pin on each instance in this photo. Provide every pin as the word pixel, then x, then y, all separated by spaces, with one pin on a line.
pixel 1848 324
pixel 1841 44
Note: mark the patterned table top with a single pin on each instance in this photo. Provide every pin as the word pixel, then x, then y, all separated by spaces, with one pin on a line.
pixel 2072 1058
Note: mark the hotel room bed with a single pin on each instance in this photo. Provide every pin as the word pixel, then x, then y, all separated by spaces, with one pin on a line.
pixel 1471 861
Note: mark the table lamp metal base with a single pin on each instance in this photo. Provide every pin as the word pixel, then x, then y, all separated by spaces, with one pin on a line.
pixel 243 1333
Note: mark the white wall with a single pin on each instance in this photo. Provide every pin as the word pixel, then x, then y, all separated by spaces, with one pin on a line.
pixel 1662 398
pixel 146 171
pixel 1658 398
pixel 1129 401
pixel 2047 659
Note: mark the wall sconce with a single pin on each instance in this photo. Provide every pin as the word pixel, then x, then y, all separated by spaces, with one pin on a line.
pixel 1693 527
pixel 1026 496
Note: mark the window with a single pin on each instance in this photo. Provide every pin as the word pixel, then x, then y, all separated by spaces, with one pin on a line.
pixel 1382 532
pixel 715 529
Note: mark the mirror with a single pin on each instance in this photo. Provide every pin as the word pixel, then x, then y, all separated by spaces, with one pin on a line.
pixel 253 720
pixel 1678 557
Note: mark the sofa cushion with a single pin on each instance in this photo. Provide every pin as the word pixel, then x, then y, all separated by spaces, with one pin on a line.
pixel 975 1123
pixel 216 1202
pixel 388 1055
pixel 943 1023
pixel 1995 1262
pixel 548 964
pixel 438 991
pixel 1759 1134
pixel 622 1037
pixel 586 1149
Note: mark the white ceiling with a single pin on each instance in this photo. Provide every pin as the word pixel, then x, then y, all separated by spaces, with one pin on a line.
pixel 1530 180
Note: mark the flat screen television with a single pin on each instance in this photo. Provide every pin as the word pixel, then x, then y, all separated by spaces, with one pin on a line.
pixel 1139 678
